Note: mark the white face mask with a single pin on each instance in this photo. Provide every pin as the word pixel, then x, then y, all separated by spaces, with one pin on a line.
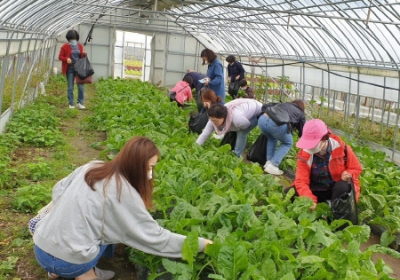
pixel 314 150
pixel 73 42
pixel 242 88
pixel 150 174
pixel 318 149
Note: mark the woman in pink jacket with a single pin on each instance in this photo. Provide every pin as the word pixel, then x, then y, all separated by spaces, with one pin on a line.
pixel 182 91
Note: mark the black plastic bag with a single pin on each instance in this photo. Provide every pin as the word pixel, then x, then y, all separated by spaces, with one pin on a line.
pixel 172 95
pixel 258 151
pixel 345 207
pixel 83 69
pixel 233 88
pixel 198 122
pixel 199 102
pixel 229 138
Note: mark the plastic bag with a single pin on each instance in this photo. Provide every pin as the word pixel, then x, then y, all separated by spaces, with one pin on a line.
pixel 258 151
pixel 233 88
pixel 199 102
pixel 88 80
pixel 172 95
pixel 229 138
pixel 83 69
pixel 198 122
pixel 345 207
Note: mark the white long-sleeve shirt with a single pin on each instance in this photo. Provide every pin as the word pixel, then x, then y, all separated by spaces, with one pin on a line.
pixel 241 116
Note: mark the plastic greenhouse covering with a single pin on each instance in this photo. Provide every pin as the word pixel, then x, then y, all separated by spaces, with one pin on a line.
pixel 325 47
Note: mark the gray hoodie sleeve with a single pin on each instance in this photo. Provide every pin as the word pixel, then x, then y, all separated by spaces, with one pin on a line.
pixel 129 222
pixel 206 133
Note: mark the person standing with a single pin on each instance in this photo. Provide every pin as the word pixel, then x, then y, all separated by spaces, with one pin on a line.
pixel 239 115
pixel 69 53
pixel 215 73
pixel 235 69
pixel 281 132
pixel 101 204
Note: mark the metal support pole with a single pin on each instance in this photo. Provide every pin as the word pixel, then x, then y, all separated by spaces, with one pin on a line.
pixel 123 55
pixel 383 103
pixel 329 94
pixel 304 83
pixel 321 95
pixel 396 127
pixel 167 39
pixel 358 103
pixel 17 74
pixel 184 53
pixel 6 60
pixel 347 101
pixel 144 59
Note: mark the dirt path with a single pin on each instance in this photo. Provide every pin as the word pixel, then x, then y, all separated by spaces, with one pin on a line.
pixel 16 246
pixel 81 141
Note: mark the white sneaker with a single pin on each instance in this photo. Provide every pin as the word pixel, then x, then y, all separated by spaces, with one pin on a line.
pixel 267 163
pixel 71 106
pixel 80 106
pixel 272 169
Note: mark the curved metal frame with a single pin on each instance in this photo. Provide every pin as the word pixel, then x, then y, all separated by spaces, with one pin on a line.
pixel 351 32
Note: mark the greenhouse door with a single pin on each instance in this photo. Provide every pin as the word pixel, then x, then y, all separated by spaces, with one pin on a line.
pixel 132 55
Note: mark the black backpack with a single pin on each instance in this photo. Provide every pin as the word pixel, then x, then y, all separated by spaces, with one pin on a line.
pixel 277 113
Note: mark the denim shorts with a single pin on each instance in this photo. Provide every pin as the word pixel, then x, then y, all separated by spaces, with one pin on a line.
pixel 70 270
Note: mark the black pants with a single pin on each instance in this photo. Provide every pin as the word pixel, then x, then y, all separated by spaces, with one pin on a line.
pixel 339 188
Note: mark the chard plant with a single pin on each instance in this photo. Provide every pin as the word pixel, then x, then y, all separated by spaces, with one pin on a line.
pixel 258 232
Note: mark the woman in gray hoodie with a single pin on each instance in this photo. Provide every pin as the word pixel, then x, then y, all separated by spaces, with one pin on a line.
pixel 101 204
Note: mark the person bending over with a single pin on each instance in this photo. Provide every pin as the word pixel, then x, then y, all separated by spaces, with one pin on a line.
pixel 182 91
pixel 101 204
pixel 239 115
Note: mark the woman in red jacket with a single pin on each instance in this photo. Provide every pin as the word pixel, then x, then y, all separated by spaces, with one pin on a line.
pixel 69 53
pixel 325 165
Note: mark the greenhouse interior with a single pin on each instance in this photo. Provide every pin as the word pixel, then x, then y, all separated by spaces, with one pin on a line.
pixel 213 212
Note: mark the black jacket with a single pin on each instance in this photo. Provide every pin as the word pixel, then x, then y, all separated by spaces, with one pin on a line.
pixel 296 115
pixel 235 69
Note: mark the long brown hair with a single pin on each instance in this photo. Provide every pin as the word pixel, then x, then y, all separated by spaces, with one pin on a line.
pixel 299 103
pixel 209 96
pixel 209 54
pixel 132 163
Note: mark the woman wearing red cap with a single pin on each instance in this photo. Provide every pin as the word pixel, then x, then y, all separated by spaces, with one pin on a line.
pixel 325 165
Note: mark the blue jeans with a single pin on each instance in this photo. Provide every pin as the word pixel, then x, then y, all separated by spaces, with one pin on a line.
pixel 241 137
pixel 274 133
pixel 71 81
pixel 69 270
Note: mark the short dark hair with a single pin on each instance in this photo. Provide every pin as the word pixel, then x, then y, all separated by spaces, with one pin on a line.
pixel 218 111
pixel 325 137
pixel 188 79
pixel 230 58
pixel 209 54
pixel 243 83
pixel 72 35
